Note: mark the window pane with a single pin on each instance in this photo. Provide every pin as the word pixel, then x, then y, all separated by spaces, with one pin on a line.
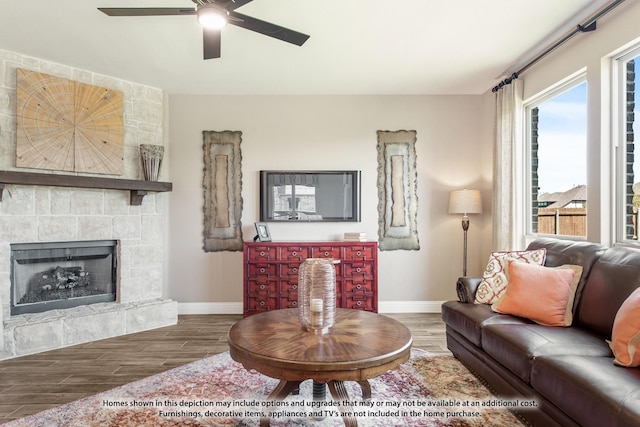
pixel 558 142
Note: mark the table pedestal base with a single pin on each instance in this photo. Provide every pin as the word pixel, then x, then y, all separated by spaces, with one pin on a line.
pixel 338 393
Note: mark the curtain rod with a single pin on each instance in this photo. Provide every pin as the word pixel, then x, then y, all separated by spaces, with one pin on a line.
pixel 588 26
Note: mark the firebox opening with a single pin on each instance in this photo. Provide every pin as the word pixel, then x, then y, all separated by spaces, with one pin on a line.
pixel 55 275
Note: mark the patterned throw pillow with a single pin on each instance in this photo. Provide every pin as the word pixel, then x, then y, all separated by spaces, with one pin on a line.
pixel 495 279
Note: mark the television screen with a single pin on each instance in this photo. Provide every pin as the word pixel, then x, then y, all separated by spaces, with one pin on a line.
pixel 310 196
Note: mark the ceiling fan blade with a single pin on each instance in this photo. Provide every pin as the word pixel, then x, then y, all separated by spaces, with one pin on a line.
pixel 234 4
pixel 267 28
pixel 211 43
pixel 146 11
pixel 224 4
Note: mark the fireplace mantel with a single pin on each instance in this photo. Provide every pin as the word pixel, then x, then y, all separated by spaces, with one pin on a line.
pixel 137 188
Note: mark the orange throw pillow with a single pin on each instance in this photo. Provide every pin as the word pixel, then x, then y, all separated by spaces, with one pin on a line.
pixel 542 294
pixel 625 339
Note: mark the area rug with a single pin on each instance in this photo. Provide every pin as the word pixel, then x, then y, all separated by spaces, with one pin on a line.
pixel 428 390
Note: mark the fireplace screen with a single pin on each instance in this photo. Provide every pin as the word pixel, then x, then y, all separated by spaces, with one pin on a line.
pixel 54 275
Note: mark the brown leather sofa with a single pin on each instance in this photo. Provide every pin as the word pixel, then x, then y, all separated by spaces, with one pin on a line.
pixel 569 372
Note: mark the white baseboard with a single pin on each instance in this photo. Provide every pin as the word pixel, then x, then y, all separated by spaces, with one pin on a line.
pixel 209 308
pixel 236 307
pixel 409 306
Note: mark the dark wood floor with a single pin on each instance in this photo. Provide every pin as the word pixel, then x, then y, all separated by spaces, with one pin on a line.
pixel 30 384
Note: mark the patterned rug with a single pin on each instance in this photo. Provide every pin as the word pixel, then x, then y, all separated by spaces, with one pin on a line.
pixel 428 390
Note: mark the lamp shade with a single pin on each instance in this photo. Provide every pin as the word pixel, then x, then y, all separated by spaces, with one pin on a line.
pixel 465 202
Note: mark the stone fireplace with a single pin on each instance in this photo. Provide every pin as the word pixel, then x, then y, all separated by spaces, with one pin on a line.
pixel 57 275
pixel 43 214
pixel 32 217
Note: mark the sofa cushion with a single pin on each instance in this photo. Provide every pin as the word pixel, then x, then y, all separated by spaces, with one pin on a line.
pixel 561 252
pixel 516 346
pixel 590 389
pixel 468 319
pixel 542 294
pixel 625 340
pixel 614 276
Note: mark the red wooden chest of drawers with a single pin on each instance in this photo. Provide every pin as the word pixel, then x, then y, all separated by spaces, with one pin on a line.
pixel 271 273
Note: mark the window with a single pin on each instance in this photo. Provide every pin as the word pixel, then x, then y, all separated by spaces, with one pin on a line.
pixel 557 160
pixel 628 157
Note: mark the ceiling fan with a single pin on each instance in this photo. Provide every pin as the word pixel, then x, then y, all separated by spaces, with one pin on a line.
pixel 213 15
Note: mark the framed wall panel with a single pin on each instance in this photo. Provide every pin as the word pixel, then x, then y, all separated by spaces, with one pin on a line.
pixel 397 191
pixel 222 188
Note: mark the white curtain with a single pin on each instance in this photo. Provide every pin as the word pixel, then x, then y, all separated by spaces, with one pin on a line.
pixel 508 198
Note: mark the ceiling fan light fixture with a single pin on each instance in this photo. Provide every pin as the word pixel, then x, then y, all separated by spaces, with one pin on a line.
pixel 212 18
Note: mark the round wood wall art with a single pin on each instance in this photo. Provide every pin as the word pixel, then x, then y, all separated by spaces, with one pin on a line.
pixel 68 126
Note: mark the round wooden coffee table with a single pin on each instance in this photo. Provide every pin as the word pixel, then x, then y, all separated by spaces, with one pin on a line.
pixel 360 345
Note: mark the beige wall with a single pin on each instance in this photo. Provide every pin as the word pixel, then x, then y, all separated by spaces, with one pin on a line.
pixel 333 132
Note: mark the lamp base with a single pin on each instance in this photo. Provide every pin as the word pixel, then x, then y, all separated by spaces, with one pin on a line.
pixel 465 227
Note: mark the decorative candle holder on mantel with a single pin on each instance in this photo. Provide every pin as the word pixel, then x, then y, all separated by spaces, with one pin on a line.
pixel 317 294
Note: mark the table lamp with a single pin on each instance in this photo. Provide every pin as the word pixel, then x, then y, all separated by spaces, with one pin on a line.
pixel 465 202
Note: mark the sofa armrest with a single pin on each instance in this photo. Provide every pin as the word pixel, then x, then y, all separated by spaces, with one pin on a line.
pixel 466 288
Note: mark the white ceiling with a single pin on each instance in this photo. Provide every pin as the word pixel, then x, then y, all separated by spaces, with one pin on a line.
pixel 356 46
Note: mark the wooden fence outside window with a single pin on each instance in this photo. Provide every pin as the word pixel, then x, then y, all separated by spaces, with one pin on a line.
pixel 563 221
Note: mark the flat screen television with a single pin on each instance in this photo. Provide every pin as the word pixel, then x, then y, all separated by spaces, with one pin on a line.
pixel 306 196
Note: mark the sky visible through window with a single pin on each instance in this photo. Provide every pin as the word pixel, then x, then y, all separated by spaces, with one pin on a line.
pixel 562 141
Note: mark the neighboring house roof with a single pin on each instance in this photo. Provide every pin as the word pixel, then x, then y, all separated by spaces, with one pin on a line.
pixel 559 200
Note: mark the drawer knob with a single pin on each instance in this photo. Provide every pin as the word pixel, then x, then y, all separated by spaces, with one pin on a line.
pixel 261 286
pixel 358 253
pixel 358 269
pixel 294 287
pixel 295 270
pixel 358 286
pixel 326 253
pixel 261 253
pixel 262 303
pixel 262 270
pixel 294 253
